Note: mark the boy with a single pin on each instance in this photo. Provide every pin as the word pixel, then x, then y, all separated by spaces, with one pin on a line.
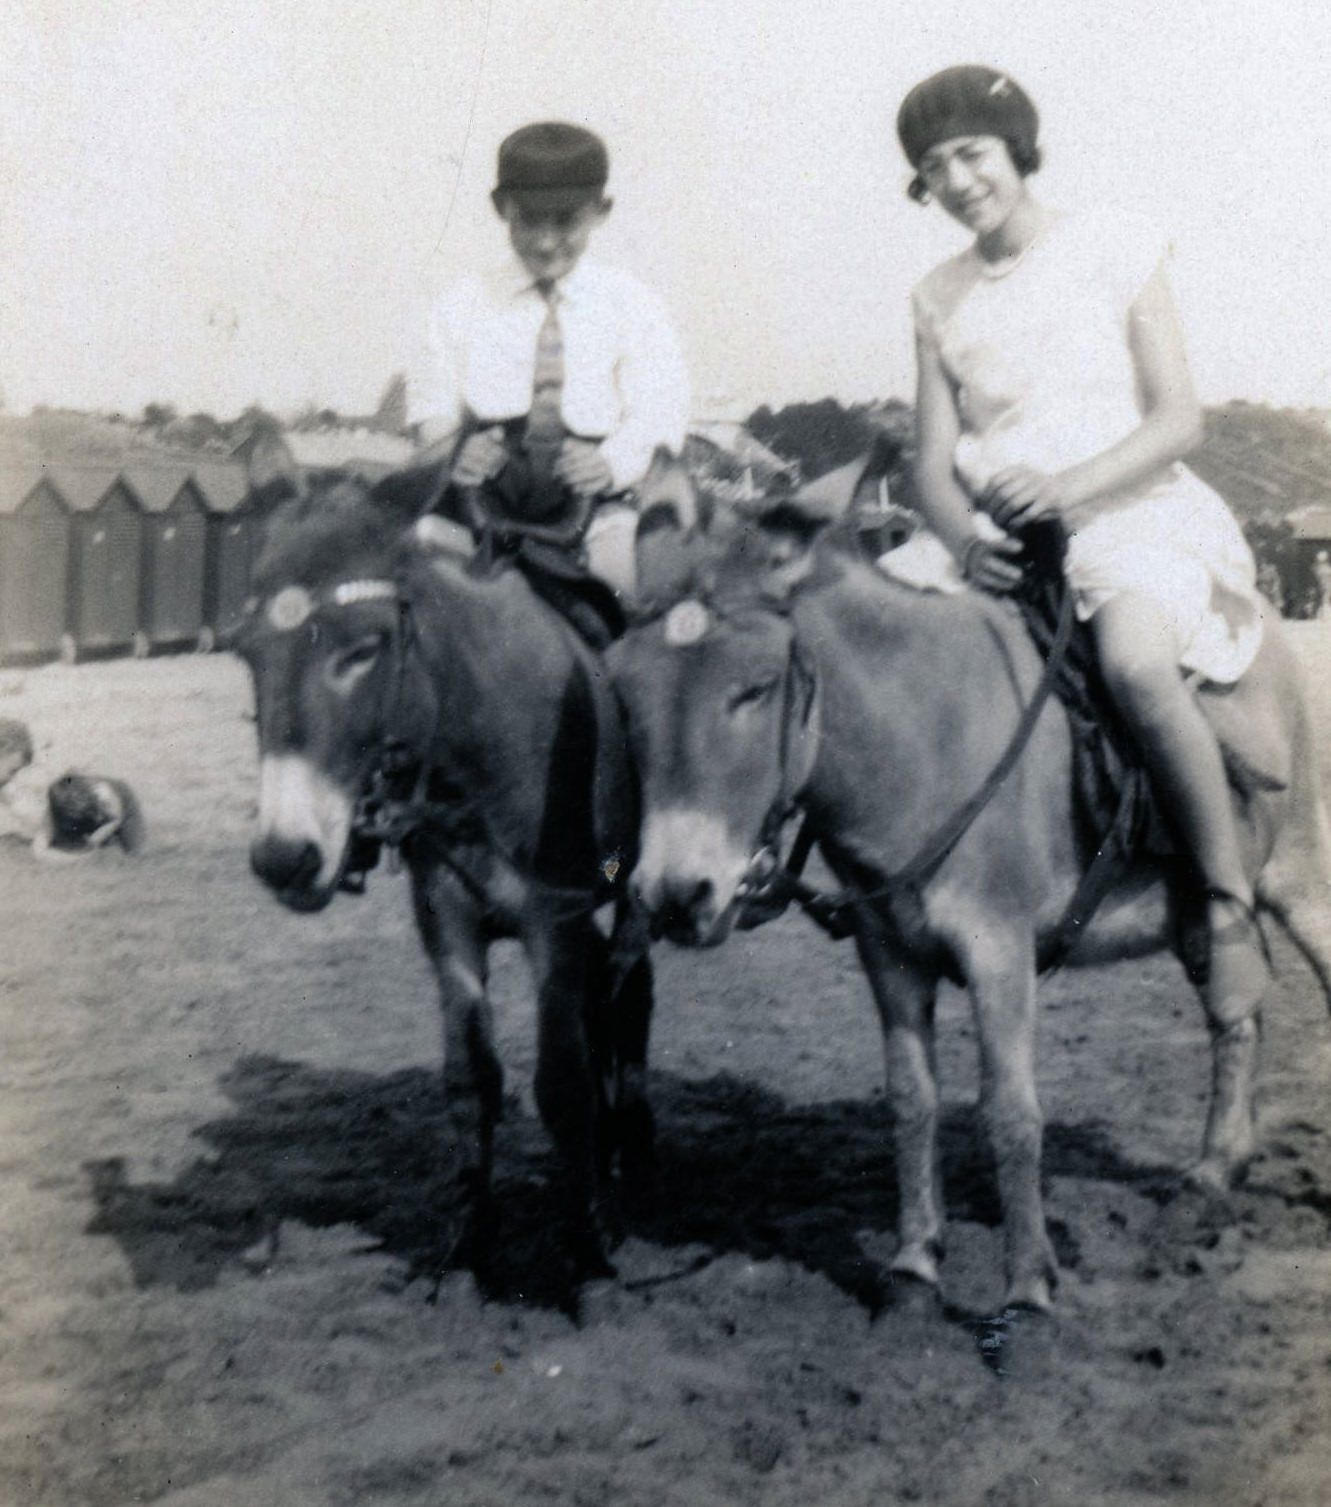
pixel 552 382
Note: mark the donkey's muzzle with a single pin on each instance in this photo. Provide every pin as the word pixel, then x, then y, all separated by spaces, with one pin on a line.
pixel 684 910
pixel 290 868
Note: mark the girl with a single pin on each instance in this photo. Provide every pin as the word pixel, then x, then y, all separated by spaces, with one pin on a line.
pixel 1053 379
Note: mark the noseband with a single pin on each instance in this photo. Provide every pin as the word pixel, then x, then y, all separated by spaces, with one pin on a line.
pixel 393 802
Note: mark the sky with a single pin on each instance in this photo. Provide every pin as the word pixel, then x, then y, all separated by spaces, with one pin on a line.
pixel 219 202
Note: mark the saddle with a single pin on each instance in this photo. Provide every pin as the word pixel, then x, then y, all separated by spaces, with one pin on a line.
pixel 539 527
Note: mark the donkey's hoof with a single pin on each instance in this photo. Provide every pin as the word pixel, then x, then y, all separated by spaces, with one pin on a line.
pixel 1212 1175
pixel 919 1261
pixel 587 1251
pixel 1032 1291
pixel 591 1264
pixel 1035 1295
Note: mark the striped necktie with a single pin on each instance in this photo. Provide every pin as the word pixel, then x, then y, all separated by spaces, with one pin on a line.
pixel 545 423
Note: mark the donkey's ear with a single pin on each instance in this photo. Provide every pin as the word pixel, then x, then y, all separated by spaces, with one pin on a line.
pixel 667 542
pixel 270 464
pixel 667 497
pixel 408 494
pixel 829 497
pixel 272 472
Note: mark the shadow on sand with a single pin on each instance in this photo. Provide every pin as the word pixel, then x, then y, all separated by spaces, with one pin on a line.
pixel 740 1170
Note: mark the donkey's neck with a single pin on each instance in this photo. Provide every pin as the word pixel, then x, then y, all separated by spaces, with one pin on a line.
pixel 917 690
pixel 524 729
pixel 500 660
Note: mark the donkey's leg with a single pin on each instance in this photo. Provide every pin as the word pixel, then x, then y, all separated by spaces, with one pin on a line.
pixel 473 1079
pixel 618 1025
pixel 599 1025
pixel 904 994
pixel 630 1005
pixel 1000 970
pixel 566 1092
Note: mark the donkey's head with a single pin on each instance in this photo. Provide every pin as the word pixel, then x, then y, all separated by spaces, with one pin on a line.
pixel 327 641
pixel 722 709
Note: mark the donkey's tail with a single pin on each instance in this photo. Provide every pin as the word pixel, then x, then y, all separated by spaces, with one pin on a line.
pixel 1295 885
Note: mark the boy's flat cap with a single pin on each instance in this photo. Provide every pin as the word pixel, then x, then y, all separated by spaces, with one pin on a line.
pixel 552 165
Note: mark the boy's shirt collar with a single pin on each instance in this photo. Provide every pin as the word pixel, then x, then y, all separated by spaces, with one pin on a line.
pixel 517 281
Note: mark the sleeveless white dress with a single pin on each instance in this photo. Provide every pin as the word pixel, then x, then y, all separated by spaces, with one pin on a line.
pixel 1043 376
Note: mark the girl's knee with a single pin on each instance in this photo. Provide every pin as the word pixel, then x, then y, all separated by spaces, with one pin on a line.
pixel 1139 661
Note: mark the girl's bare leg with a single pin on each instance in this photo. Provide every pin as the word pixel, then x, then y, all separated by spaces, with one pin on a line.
pixel 1139 658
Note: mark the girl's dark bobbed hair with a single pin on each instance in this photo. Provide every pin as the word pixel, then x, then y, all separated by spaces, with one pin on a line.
pixel 968 101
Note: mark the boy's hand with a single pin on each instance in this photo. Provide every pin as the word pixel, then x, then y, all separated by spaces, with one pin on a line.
pixel 482 457
pixel 583 470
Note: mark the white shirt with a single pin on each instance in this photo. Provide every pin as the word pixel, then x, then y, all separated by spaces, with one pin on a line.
pixel 625 383
pixel 1040 357
pixel 1038 349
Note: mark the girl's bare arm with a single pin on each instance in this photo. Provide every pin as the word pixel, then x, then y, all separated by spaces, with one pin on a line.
pixel 1171 425
pixel 944 502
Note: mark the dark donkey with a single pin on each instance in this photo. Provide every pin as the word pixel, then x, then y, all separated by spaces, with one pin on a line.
pixel 791 677
pixel 380 664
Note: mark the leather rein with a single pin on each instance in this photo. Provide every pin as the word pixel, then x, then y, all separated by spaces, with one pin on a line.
pixel 771 884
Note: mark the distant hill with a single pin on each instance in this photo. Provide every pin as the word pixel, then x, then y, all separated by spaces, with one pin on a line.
pixel 71 437
pixel 1265 462
pixel 820 436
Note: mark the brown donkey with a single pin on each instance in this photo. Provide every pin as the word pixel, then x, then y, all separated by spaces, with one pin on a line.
pixel 486 729
pixel 791 677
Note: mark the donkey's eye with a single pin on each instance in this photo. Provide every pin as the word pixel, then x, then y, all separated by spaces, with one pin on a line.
pixel 751 695
pixel 349 664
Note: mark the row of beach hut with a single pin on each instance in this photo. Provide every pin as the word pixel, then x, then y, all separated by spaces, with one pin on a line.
pixel 102 559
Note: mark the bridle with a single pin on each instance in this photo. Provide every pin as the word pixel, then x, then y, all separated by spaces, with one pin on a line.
pixel 394 800
pixel 686 621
